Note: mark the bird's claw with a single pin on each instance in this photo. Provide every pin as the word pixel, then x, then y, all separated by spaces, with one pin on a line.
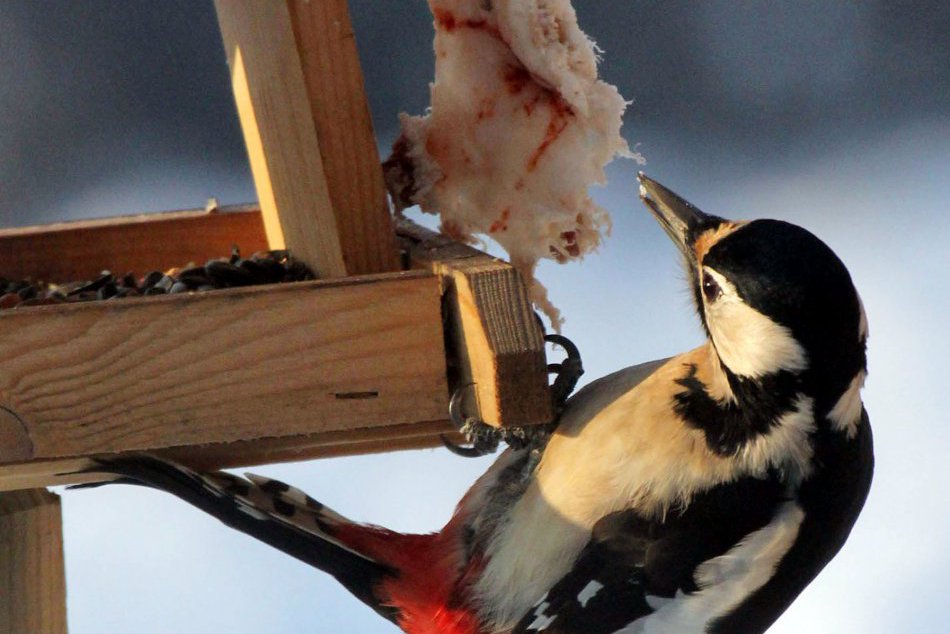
pixel 567 372
pixel 484 438
pixel 461 450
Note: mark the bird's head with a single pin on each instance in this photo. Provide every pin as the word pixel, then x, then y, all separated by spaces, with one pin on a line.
pixel 772 297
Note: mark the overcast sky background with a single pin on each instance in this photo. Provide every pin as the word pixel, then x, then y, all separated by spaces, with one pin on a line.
pixel 835 116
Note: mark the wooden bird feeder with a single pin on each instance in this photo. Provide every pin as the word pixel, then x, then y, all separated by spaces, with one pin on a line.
pixel 362 360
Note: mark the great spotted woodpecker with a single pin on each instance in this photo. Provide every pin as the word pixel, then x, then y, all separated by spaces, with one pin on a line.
pixel 699 493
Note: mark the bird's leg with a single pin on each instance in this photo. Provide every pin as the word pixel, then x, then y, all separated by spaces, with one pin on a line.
pixel 567 372
pixel 484 438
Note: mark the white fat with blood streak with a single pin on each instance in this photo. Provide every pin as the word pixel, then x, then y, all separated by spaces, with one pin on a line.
pixel 519 128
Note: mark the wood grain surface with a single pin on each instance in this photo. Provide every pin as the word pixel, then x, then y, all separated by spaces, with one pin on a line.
pixel 496 344
pixel 32 575
pixel 221 366
pixel 299 92
pixel 79 250
pixel 330 61
pixel 279 132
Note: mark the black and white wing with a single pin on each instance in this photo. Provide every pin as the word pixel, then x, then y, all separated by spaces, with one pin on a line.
pixel 604 591
pixel 635 569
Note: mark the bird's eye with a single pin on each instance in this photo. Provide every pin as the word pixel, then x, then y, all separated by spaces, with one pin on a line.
pixel 710 288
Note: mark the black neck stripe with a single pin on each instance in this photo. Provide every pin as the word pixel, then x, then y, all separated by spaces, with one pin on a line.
pixel 759 405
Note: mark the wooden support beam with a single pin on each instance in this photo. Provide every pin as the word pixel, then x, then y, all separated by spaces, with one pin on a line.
pixel 331 70
pixel 494 337
pixel 79 250
pixel 324 445
pixel 61 471
pixel 218 367
pixel 300 98
pixel 32 578
pixel 281 140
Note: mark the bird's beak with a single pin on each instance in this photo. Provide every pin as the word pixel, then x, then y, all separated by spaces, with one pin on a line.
pixel 681 220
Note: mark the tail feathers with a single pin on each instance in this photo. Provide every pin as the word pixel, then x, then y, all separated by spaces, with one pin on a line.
pixel 281 502
pixel 275 513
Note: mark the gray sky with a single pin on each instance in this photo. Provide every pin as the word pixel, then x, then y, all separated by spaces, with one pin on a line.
pixel 831 115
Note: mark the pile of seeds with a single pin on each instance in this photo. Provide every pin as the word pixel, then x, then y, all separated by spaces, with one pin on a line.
pixel 265 267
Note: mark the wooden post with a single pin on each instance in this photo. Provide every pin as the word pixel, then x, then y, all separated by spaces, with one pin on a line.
pixel 299 94
pixel 32 578
pixel 341 115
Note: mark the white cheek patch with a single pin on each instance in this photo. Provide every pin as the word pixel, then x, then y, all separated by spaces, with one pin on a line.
pixel 748 342
pixel 846 414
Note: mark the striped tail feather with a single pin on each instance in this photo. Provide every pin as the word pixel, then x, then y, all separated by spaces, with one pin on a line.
pixel 275 513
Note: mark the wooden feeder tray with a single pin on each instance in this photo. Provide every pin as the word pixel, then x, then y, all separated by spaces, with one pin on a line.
pixel 254 374
pixel 363 359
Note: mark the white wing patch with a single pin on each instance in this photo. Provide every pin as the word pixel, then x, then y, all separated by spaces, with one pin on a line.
pixel 589 592
pixel 541 620
pixel 725 581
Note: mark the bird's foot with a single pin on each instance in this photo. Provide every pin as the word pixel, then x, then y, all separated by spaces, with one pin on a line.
pixel 484 438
